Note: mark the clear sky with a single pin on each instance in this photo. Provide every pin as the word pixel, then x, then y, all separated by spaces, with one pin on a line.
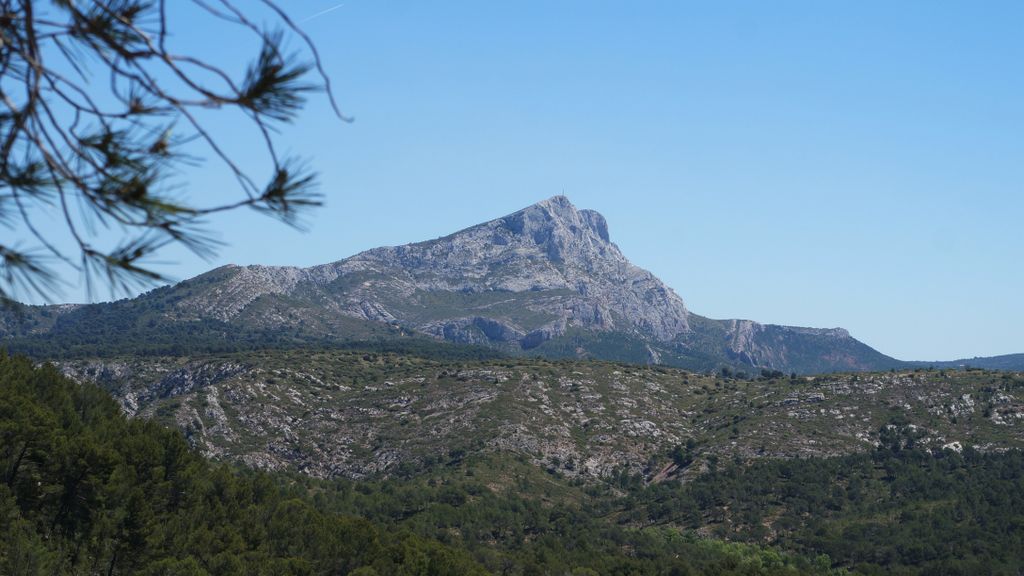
pixel 854 164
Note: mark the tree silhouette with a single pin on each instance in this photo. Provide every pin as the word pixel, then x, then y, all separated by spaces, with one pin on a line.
pixel 95 113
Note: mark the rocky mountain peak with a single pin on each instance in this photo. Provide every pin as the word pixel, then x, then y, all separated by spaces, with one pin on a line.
pixel 563 232
pixel 560 212
pixel 558 205
pixel 554 255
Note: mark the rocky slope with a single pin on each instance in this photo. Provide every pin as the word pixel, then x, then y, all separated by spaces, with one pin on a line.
pixel 355 414
pixel 546 280
pixel 518 280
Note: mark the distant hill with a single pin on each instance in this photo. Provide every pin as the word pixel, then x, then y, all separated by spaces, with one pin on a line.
pixel 1004 362
pixel 545 281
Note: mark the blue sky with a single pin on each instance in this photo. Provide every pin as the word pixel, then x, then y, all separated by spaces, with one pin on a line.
pixel 854 164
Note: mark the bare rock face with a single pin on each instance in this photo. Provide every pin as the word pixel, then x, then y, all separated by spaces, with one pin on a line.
pixel 518 280
pixel 550 247
pixel 231 288
pixel 806 349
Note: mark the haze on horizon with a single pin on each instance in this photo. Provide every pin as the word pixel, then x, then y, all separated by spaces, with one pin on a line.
pixel 798 163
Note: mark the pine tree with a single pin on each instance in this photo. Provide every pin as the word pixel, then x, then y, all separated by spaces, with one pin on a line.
pixel 95 110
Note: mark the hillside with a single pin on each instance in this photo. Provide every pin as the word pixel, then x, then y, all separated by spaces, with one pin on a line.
pixel 359 414
pixel 1004 362
pixel 87 491
pixel 536 467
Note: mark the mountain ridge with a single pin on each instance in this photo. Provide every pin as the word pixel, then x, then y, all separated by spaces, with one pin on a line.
pixel 544 280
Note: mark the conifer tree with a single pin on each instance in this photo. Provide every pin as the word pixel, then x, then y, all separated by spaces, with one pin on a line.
pixel 96 109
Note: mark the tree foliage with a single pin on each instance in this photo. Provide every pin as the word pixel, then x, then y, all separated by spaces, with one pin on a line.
pixel 901 509
pixel 99 112
pixel 83 490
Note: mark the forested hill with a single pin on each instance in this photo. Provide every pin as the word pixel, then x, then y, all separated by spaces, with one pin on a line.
pixel 86 491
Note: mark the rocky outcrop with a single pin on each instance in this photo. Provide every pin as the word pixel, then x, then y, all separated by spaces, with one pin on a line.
pixel 164 380
pixel 800 349
pixel 548 247
pixel 222 293
pixel 557 260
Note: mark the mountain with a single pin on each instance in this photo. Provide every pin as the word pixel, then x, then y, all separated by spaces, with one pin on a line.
pixel 546 280
pixel 515 282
